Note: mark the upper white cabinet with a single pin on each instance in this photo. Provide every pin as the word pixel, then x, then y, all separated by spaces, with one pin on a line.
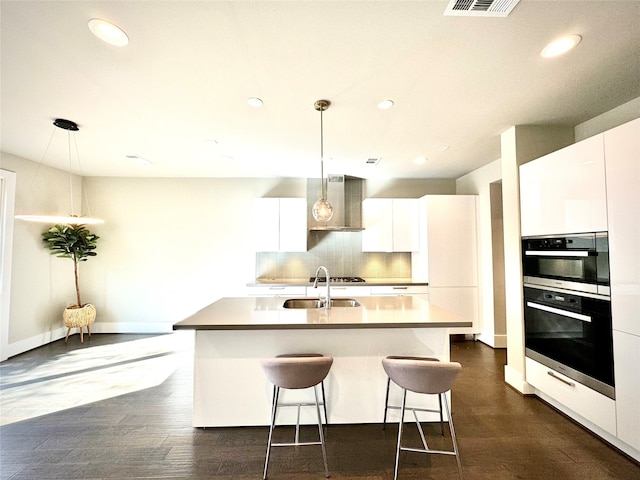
pixel 390 225
pixel 622 158
pixel 564 191
pixel 280 224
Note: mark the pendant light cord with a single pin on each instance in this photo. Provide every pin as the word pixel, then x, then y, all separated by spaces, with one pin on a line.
pixel 70 174
pixel 322 155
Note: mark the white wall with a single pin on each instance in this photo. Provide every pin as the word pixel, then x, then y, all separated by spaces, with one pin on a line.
pixel 478 183
pixel 408 188
pixel 171 246
pixel 608 120
pixel 41 285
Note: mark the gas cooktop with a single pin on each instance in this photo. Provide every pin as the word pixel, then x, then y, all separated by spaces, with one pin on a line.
pixel 338 279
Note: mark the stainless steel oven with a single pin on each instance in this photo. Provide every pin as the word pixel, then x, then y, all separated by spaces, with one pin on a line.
pixel 570 332
pixel 574 262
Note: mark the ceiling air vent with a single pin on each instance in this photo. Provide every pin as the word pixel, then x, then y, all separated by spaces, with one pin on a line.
pixel 372 161
pixel 480 8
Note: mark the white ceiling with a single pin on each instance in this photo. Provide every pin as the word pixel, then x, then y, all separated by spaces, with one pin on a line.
pixel 189 68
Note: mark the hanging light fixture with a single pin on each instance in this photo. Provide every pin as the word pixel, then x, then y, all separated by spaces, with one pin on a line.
pixel 322 209
pixel 72 218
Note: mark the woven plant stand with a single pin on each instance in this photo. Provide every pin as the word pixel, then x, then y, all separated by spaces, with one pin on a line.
pixel 79 318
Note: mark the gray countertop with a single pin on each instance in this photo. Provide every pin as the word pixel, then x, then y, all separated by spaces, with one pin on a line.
pixel 268 313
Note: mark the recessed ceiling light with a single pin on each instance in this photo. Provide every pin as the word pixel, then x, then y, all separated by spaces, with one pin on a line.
pixel 108 32
pixel 420 160
pixel 444 148
pixel 560 46
pixel 254 102
pixel 385 104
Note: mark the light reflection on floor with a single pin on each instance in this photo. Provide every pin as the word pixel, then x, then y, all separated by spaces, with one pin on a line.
pixel 87 375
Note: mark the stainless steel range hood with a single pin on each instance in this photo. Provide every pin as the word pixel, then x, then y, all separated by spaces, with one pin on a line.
pixel 344 193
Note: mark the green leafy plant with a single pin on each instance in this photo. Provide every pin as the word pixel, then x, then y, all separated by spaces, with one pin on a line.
pixel 74 242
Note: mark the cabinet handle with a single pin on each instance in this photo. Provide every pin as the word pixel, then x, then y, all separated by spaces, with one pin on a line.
pixel 338 288
pixel 558 311
pixel 400 288
pixel 276 288
pixel 566 382
pixel 553 253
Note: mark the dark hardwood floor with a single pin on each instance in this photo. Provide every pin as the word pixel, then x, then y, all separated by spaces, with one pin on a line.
pixel 147 434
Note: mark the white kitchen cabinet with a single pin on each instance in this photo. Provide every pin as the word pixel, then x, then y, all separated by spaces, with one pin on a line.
pixel 598 409
pixel 622 160
pixel 462 301
pixel 564 191
pixel 397 290
pixel 626 362
pixel 280 224
pixel 339 291
pixel 448 258
pixel 448 255
pixel 276 291
pixel 390 225
pixel 622 164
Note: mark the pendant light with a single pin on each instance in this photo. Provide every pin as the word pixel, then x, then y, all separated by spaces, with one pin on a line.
pixel 322 209
pixel 72 218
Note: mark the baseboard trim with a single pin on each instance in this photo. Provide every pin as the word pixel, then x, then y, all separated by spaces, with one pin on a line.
pixel 16 348
pixel 494 341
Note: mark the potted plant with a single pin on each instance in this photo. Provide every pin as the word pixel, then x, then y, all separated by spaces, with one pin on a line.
pixel 77 243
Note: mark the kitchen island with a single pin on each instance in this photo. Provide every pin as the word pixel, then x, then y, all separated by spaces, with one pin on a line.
pixel 233 334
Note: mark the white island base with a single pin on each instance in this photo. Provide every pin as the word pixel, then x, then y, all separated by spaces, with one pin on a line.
pixel 230 388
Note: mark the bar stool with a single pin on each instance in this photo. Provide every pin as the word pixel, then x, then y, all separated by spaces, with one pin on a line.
pixel 435 378
pixel 296 372
pixel 413 409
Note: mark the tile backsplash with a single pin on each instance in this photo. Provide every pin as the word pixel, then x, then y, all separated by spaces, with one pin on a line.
pixel 340 252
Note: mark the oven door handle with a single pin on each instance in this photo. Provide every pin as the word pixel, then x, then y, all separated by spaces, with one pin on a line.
pixel 556 253
pixel 559 311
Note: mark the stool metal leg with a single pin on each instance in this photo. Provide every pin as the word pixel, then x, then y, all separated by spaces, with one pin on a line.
pixel 320 432
pixel 453 434
pixel 324 404
pixel 387 407
pixel 441 419
pixel 386 404
pixel 273 421
pixel 274 408
pixel 400 424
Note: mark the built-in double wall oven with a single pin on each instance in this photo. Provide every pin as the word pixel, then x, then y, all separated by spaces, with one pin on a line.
pixel 567 308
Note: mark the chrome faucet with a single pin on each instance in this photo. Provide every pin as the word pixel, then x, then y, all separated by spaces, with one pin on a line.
pixel 327 299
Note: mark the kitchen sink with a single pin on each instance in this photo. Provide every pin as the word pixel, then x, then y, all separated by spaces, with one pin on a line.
pixel 317 303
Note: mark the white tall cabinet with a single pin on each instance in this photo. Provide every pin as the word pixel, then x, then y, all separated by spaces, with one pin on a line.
pixel 280 224
pixel 594 185
pixel 390 225
pixel 448 255
pixel 622 157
